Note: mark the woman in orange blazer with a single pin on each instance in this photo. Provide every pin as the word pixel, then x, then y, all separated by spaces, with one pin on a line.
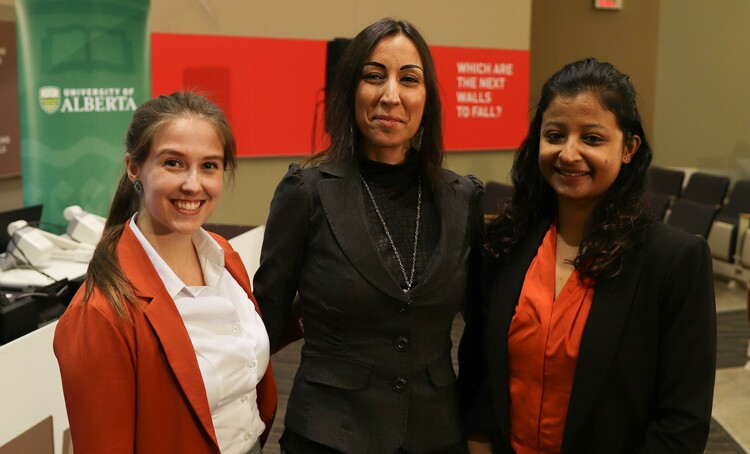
pixel 163 349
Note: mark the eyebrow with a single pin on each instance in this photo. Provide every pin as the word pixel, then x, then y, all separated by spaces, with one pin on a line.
pixel 172 152
pixel 382 66
pixel 560 124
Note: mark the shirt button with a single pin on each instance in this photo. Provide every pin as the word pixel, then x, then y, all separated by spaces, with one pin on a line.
pixel 244 399
pixel 235 329
pixel 404 307
pixel 401 344
pixel 247 436
pixel 399 384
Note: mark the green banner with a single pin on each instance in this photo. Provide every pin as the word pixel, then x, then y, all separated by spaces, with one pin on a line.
pixel 83 70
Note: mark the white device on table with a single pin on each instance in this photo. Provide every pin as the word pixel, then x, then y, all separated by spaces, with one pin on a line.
pixel 84 227
pixel 35 246
pixel 28 245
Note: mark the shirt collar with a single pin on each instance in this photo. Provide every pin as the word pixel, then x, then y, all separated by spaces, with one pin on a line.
pixel 211 256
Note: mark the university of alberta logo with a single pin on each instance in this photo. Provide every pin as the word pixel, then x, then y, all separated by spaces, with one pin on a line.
pixel 49 99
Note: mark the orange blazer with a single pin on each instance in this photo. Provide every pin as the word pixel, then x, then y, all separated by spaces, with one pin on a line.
pixel 135 387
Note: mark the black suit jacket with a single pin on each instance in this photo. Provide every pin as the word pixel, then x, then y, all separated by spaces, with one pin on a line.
pixel 376 371
pixel 645 372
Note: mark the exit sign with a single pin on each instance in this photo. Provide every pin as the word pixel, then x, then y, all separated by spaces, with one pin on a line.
pixel 608 4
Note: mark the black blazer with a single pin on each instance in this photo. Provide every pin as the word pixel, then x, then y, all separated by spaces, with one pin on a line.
pixel 645 372
pixel 376 371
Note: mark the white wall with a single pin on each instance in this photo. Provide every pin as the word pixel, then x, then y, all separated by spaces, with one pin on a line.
pixel 702 117
pixel 30 387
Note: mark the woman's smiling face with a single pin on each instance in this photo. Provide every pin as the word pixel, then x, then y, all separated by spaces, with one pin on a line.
pixel 182 177
pixel 390 99
pixel 582 148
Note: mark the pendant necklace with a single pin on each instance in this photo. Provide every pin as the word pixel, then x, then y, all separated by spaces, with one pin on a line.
pixel 410 278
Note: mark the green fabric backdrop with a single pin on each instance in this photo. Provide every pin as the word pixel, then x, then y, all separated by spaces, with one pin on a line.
pixel 83 70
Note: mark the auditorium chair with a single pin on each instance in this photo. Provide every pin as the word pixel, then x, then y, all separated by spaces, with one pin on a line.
pixel 666 181
pixel 706 188
pixel 692 217
pixel 726 235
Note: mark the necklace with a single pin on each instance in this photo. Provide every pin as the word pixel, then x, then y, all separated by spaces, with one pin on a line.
pixel 410 278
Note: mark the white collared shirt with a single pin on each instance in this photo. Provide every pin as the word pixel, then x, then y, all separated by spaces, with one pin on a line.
pixel 229 339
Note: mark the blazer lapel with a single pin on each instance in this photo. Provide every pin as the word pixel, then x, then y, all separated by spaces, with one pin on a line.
pixel 607 317
pixel 453 223
pixel 167 323
pixel 233 264
pixel 506 289
pixel 344 207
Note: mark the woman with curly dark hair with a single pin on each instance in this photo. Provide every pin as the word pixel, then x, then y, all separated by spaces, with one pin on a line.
pixel 597 332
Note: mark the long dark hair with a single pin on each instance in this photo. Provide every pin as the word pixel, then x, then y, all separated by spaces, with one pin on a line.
pixel 104 271
pixel 619 220
pixel 340 121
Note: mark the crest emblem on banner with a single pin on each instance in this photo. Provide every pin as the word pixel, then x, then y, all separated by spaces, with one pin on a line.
pixel 49 99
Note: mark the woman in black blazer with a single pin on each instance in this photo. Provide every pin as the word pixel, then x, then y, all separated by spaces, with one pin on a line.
pixel 373 238
pixel 598 328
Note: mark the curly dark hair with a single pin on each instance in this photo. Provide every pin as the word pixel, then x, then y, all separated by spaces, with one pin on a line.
pixel 340 121
pixel 620 219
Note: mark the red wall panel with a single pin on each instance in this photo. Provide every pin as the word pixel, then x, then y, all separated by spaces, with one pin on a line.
pixel 272 90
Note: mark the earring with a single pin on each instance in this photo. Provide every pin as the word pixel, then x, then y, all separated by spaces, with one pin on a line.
pixel 138 188
pixel 626 159
pixel 351 139
pixel 416 141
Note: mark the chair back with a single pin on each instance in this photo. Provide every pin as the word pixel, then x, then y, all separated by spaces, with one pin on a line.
pixel 706 188
pixel 692 217
pixel 666 181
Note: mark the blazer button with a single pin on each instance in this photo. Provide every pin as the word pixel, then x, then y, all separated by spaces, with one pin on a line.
pixel 404 307
pixel 401 344
pixel 399 384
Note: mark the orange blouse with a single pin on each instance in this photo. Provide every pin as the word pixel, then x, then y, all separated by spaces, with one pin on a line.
pixel 543 343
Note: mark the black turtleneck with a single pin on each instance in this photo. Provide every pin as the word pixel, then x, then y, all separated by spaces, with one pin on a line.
pixel 395 190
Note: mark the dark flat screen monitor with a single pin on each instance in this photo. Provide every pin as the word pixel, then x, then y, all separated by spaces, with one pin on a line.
pixel 31 214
